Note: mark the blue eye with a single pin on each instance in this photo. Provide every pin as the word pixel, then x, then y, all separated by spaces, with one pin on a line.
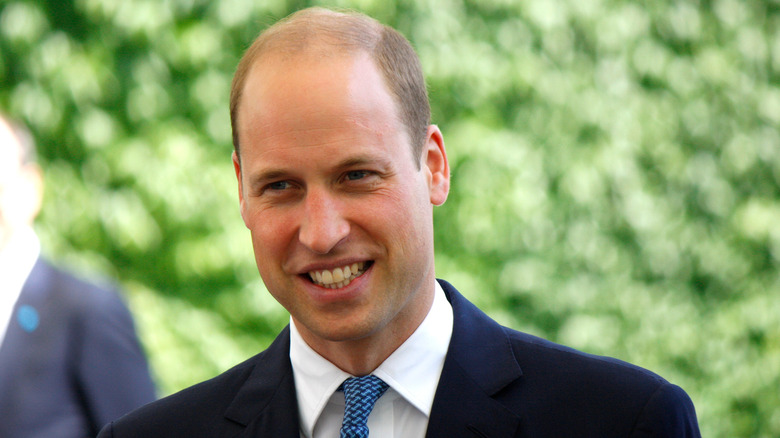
pixel 356 174
pixel 279 185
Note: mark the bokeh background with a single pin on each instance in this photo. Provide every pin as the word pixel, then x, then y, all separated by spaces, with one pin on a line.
pixel 616 174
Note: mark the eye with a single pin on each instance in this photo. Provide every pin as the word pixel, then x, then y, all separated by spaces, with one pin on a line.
pixel 354 175
pixel 281 190
pixel 279 185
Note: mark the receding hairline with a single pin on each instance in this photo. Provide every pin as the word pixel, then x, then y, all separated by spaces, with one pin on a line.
pixel 276 61
pixel 339 32
pixel 302 32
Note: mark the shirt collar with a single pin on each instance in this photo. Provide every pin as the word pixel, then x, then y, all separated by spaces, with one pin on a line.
pixel 412 370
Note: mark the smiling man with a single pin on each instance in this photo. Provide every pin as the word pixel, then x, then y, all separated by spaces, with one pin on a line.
pixel 338 172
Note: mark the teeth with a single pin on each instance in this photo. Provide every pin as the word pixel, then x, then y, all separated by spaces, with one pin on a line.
pixel 338 277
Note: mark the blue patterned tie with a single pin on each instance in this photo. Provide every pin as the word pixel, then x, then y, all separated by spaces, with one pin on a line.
pixel 360 394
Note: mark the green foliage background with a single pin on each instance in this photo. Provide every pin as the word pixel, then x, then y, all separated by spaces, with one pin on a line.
pixel 616 174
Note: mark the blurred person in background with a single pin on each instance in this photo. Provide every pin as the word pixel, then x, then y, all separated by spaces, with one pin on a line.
pixel 338 172
pixel 70 359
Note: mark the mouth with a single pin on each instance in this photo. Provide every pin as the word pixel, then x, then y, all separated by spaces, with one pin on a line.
pixel 339 277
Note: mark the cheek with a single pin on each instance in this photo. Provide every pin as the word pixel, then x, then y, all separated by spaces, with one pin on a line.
pixel 270 235
pixel 404 217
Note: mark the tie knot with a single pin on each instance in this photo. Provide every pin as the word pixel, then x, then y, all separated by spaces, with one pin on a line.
pixel 360 394
pixel 365 387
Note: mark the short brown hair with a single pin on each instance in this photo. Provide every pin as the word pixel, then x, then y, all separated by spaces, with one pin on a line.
pixel 346 31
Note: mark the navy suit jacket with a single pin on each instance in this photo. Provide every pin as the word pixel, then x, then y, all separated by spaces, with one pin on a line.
pixel 70 361
pixel 496 382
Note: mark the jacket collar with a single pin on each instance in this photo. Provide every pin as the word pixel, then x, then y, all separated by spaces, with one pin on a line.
pixel 266 404
pixel 479 363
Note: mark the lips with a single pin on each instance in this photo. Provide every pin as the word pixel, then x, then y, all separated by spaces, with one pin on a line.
pixel 338 277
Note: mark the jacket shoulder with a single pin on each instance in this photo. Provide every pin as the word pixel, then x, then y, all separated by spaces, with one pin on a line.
pixel 193 411
pixel 536 354
pixel 260 390
pixel 556 390
pixel 571 388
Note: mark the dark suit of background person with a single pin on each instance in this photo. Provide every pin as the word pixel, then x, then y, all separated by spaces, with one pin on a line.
pixel 70 360
pixel 326 180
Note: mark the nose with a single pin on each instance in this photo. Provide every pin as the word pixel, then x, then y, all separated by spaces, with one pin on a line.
pixel 323 224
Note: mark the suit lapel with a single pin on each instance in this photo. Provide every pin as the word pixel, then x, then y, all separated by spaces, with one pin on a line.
pixel 266 404
pixel 479 363
pixel 29 341
pixel 18 342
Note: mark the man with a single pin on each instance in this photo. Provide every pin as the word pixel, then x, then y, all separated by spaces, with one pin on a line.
pixel 338 171
pixel 70 360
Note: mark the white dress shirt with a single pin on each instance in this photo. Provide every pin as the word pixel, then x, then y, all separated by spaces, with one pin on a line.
pixel 412 371
pixel 17 259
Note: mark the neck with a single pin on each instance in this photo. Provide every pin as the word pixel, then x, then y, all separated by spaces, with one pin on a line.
pixel 360 357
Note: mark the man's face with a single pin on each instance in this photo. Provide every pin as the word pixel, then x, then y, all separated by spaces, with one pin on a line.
pixel 15 187
pixel 340 216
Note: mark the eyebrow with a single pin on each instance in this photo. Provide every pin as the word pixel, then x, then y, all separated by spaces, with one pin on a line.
pixel 360 160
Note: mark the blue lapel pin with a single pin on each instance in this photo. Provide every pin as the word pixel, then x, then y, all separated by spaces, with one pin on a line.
pixel 28 318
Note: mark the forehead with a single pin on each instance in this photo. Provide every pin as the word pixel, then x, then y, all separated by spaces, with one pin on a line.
pixel 310 99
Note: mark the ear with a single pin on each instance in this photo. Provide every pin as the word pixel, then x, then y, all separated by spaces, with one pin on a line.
pixel 435 160
pixel 241 200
